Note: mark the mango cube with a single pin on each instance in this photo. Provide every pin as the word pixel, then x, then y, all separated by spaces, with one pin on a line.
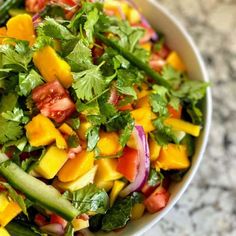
pixel 173 157
pixel 134 16
pixel 109 144
pixel 117 187
pixel 66 129
pixel 106 185
pixel 76 167
pixel 41 131
pixel 184 126
pixel 51 162
pixel 3 232
pixel 3 33
pixel 79 183
pixel 137 211
pixel 175 61
pixel 10 212
pixel 107 170
pixel 155 149
pixel 59 69
pixel 3 201
pixel 144 116
pixel 21 27
pixel 79 224
pixel 84 126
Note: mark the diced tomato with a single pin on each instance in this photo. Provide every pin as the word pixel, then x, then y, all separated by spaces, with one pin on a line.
pixel 156 62
pixel 127 107
pixel 40 220
pixel 53 101
pixel 174 113
pixel 69 2
pixel 55 219
pixel 164 52
pixel 84 217
pixel 149 32
pixel 147 190
pixel 114 96
pixel 157 200
pixel 35 5
pixel 128 163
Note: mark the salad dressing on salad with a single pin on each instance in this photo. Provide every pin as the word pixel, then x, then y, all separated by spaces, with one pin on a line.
pixel 97 117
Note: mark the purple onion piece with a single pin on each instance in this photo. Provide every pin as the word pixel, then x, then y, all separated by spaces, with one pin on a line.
pixel 53 229
pixel 144 162
pixel 35 17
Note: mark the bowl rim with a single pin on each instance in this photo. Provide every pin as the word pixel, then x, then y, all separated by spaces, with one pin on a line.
pixel 208 117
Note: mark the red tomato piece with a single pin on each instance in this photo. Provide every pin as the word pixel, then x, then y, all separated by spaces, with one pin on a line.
pixel 157 200
pixel 174 113
pixel 53 101
pixel 128 163
pixel 55 219
pixel 35 5
pixel 40 220
pixel 147 190
pixel 164 52
pixel 69 2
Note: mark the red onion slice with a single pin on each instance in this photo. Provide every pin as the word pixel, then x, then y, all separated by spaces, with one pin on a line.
pixel 144 162
pixel 53 229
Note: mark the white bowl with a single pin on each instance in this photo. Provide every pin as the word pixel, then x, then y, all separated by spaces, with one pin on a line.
pixel 179 40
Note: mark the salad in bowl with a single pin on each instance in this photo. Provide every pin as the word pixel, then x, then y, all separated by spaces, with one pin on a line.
pixel 98 117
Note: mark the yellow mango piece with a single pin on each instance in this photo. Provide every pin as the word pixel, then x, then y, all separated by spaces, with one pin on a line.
pixel 40 131
pixel 79 183
pixel 117 7
pixel 147 46
pixel 79 224
pixel 58 69
pixel 117 187
pixel 10 212
pixel 184 126
pixel 143 102
pixel 76 167
pixel 133 16
pixel 137 211
pixel 21 27
pixel 143 92
pixel 84 126
pixel 173 157
pixel 144 116
pixel 3 33
pixel 66 129
pixel 51 162
pixel 3 201
pixel 154 149
pixel 3 232
pixel 132 142
pixel 108 144
pixel 175 61
pixel 107 185
pixel 107 170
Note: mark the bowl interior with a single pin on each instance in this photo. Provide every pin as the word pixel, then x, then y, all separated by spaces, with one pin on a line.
pixel 179 40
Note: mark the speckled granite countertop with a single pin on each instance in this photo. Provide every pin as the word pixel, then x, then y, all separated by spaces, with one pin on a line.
pixel 208 207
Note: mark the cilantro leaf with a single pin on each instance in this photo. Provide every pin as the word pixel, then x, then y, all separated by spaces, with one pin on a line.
pixel 29 81
pixel 89 198
pixel 8 102
pixel 173 76
pixel 89 83
pixel 16 57
pixel 163 133
pixel 92 18
pixel 126 132
pixel 16 115
pixel 118 215
pixel 9 130
pixel 73 141
pixel 80 58
pixel 51 28
pixel 154 177
pixel 92 136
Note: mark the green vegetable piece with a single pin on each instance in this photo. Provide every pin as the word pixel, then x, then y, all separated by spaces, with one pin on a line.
pixel 37 191
pixel 16 229
pixel 16 11
pixel 117 216
pixel 154 177
pixel 134 60
pixel 89 199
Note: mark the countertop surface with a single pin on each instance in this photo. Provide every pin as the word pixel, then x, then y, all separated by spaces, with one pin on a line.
pixel 208 207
